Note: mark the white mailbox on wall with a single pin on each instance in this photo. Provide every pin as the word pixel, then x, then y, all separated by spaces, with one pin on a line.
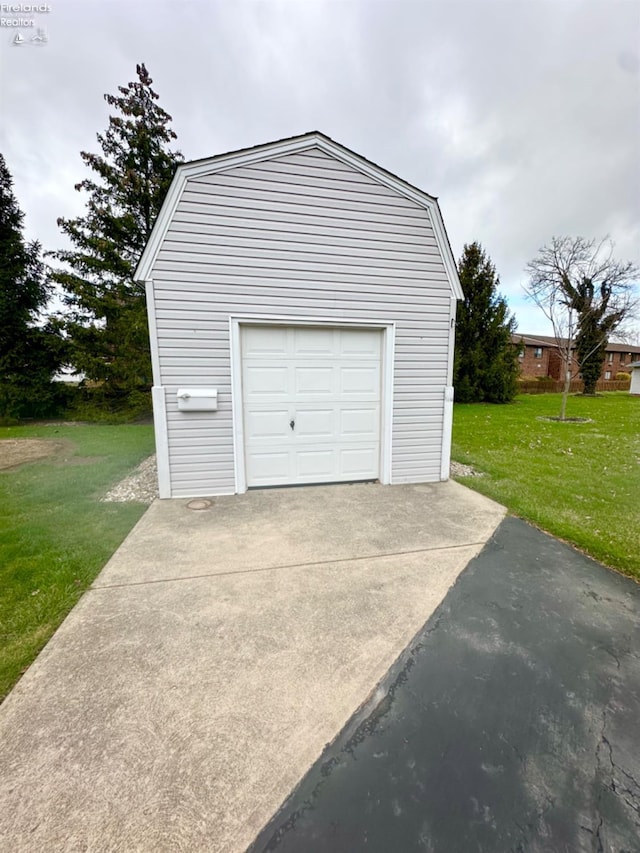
pixel 197 399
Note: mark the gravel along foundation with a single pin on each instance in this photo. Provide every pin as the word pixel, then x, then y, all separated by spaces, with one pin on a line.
pixel 141 486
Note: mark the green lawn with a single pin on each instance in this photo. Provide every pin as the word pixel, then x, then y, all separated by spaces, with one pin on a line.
pixel 580 482
pixel 55 535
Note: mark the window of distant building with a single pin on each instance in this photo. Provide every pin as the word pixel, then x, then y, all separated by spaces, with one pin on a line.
pixel 610 358
pixel 537 353
pixel 607 374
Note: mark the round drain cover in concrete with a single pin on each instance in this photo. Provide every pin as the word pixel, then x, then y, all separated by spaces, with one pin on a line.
pixel 200 504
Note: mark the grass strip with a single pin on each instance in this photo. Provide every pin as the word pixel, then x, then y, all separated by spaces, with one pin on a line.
pixel 578 481
pixel 55 534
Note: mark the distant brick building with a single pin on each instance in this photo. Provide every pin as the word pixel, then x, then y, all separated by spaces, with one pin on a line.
pixel 540 356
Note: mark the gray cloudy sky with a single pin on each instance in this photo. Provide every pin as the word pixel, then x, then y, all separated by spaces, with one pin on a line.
pixel 522 116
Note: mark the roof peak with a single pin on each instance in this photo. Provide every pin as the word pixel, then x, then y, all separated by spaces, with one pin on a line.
pixel 194 169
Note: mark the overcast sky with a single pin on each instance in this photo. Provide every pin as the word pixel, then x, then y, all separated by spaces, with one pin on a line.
pixel 522 116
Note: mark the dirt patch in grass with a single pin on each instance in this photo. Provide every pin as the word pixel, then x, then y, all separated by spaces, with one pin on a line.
pixel 560 420
pixel 18 451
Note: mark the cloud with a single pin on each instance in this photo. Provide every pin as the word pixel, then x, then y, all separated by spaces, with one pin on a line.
pixel 522 117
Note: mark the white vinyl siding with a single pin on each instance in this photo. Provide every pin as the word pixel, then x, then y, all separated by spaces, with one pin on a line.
pixel 297 236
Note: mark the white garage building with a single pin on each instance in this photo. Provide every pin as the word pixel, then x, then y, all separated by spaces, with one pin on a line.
pixel 301 307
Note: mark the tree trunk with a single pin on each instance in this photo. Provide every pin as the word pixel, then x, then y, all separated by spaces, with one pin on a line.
pixel 565 394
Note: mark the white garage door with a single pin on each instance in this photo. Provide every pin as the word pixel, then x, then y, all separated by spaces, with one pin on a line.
pixel 311 404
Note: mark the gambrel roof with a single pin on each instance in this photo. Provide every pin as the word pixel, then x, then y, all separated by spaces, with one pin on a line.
pixel 294 145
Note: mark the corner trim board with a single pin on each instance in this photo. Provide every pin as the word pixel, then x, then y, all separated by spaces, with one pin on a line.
pixel 235 353
pixel 153 331
pixel 162 440
pixel 447 426
pixel 452 339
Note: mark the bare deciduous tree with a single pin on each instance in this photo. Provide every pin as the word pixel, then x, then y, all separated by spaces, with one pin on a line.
pixel 586 295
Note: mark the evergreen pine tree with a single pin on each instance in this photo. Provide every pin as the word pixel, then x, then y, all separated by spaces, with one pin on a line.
pixel 29 353
pixel 106 313
pixel 486 361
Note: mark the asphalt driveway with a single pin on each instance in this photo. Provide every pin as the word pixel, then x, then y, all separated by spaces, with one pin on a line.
pixel 216 655
pixel 509 726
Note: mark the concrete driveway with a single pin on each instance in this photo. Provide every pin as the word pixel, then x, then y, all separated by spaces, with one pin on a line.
pixel 216 655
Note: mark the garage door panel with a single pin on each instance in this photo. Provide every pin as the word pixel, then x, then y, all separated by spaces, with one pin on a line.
pixel 268 380
pixel 312 381
pixel 315 464
pixel 313 342
pixel 267 424
pixel 362 343
pixel 357 461
pixel 325 381
pixel 357 382
pixel 314 423
pixel 361 423
pixel 269 467
pixel 263 340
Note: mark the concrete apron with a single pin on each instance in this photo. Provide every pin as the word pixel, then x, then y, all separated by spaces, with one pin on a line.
pixel 215 656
